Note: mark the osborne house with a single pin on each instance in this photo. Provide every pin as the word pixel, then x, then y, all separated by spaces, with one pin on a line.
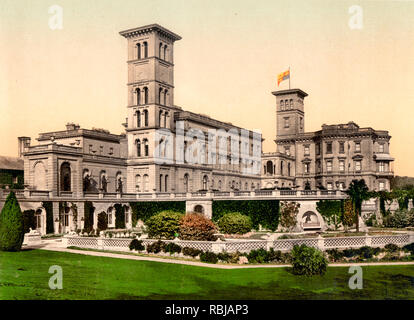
pixel 167 153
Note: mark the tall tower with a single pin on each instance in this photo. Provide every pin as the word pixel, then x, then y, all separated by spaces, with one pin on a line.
pixel 290 114
pixel 150 97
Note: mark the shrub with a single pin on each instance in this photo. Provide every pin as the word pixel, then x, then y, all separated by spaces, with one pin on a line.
pixel 136 245
pixel 288 214
pixel 11 225
pixel 164 225
pixel 308 261
pixel 209 257
pixel 172 248
pixel 145 210
pixel 371 221
pixel 399 219
pixel 349 253
pixel 391 247
pixel 235 223
pixel 191 252
pixel 368 252
pixel 409 248
pixel 194 226
pixel 335 255
pixel 258 256
pixel 156 247
pixel 102 221
pixel 224 256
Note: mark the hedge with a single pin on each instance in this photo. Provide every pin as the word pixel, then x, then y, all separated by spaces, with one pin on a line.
pixel 261 212
pixel 145 210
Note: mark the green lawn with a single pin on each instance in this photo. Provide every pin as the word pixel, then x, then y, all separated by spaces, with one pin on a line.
pixel 24 275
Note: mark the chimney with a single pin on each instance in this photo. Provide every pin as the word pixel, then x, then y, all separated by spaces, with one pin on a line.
pixel 72 126
pixel 23 142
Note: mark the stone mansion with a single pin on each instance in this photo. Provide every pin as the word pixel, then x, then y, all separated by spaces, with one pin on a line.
pixel 77 164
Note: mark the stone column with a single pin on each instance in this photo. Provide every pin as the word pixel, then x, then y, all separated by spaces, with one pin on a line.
pixel 81 215
pixel 56 222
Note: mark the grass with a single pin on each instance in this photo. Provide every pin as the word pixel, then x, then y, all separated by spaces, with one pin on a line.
pixel 24 275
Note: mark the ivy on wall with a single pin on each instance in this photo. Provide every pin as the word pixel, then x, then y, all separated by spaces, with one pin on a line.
pixel 331 210
pixel 119 216
pixel 261 212
pixel 145 210
pixel 88 219
pixel 48 205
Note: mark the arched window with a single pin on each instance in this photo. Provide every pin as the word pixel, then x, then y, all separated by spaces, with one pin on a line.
pixel 165 53
pixel 161 182
pixel 138 51
pixel 160 118
pixel 186 178
pixel 145 49
pixel 281 168
pixel 160 51
pixel 145 183
pixel 165 97
pixel 103 181
pixel 165 119
pixel 146 118
pixel 166 183
pixel 205 183
pixel 291 103
pixel 138 91
pixel 138 142
pixel 146 147
pixel 39 176
pixel 137 183
pixel 286 104
pixel 138 119
pixel 269 167
pixel 160 96
pixel 289 169
pixel 145 95
pixel 282 105
pixel 65 177
pixel 252 185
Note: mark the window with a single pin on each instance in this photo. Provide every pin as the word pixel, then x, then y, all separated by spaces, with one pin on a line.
pixel 145 95
pixel 382 186
pixel 146 118
pixel 289 169
pixel 159 96
pixel 381 167
pixel 358 146
pixel 287 150
pixel 281 168
pixel 286 122
pixel 306 147
pixel 301 122
pixel 358 165
pixel 165 119
pixel 137 183
pixel 186 178
pixel 109 218
pixel 138 51
pixel 329 166
pixel 269 167
pixel 165 53
pixel 205 182
pixel 146 148
pixel 291 103
pixel 101 150
pixel 165 97
pixel 329 186
pixel 145 49
pixel 166 183
pixel 145 183
pixel 318 149
pixel 306 168
pixel 161 182
pixel 160 51
pixel 138 92
pixel 282 105
pixel 342 165
pixel 138 119
pixel 341 147
pixel 329 147
pixel 381 148
pixel 138 142
pixel 65 177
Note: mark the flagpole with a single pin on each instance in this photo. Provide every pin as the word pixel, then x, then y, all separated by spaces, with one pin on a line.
pixel 289 77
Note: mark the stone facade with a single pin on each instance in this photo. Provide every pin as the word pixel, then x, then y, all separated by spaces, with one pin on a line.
pixel 327 159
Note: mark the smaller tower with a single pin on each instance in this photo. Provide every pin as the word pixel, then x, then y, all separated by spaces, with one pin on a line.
pixel 290 114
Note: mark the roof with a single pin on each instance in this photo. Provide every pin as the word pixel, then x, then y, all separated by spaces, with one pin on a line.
pixel 149 28
pixel 11 163
pixel 290 91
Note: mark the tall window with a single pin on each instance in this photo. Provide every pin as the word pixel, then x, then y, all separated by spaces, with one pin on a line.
pixel 306 153
pixel 291 103
pixel 381 148
pixel 165 97
pixel 286 122
pixel 146 148
pixel 138 91
pixel 160 51
pixel 166 183
pixel 289 169
pixel 329 166
pixel 160 96
pixel 381 167
pixel 341 147
pixel 145 95
pixel 358 165
pixel 357 146
pixel 342 165
pixel 382 186
pixel 145 183
pixel 282 105
pixel 329 147
pixel 165 119
pixel 138 119
pixel 146 118
pixel 160 117
pixel 161 181
pixel 165 53
pixel 138 142
pixel 205 182
pixel 318 149
pixel 145 49
pixel 186 178
pixel 138 51
pixel 137 183
pixel 65 177
pixel 281 168
pixel 306 167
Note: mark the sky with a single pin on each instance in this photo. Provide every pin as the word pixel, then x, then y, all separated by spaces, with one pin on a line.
pixel 226 64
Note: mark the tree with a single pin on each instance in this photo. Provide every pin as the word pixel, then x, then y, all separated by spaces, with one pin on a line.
pixel 349 214
pixel 331 211
pixel 102 221
pixel 358 192
pixel 11 225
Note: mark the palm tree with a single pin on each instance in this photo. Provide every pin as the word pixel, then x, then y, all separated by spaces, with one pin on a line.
pixel 358 192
